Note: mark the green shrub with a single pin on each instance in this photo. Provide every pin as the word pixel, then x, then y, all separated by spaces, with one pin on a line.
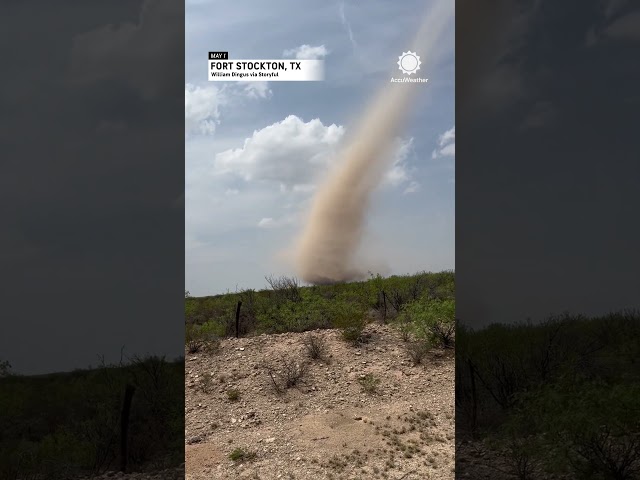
pixel 233 395
pixel 290 316
pixel 202 336
pixel 239 455
pixel 206 382
pixel 591 427
pixel 350 318
pixel 369 383
pixel 75 432
pixel 417 351
pixel 433 320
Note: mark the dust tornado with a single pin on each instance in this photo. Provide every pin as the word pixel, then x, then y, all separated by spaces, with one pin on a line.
pixel 333 232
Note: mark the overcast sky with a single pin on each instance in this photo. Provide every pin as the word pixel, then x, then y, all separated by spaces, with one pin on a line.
pixel 547 178
pixel 256 151
pixel 91 183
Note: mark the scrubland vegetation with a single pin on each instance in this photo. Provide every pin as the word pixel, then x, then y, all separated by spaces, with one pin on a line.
pixel 421 305
pixel 556 400
pixel 64 425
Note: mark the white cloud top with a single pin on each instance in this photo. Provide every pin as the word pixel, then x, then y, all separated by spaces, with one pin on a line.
pixel 446 144
pixel 290 153
pixel 307 52
pixel 202 109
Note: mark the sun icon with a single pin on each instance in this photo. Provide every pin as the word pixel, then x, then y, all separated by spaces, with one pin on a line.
pixel 409 62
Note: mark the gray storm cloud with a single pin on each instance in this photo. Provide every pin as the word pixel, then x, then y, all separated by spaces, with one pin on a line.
pixel 332 235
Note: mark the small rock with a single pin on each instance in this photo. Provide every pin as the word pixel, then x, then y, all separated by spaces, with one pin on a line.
pixel 270 440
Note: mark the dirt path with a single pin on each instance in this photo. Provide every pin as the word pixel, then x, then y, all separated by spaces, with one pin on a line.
pixel 327 426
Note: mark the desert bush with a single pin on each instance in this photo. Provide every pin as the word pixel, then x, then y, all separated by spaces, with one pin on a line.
pixel 557 398
pixel 233 395
pixel 206 381
pixel 350 318
pixel 309 314
pixel 192 340
pixel 398 296
pixel 434 320
pixel 75 432
pixel 205 336
pixel 287 306
pixel 369 383
pixel 405 326
pixel 417 351
pixel 239 455
pixel 520 454
pixel 159 393
pixel 288 373
pixel 316 347
pixel 285 288
pixel 380 304
pixel 443 286
pixel 211 332
pixel 592 426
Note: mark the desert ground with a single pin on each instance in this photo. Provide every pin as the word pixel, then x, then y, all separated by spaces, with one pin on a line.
pixel 361 412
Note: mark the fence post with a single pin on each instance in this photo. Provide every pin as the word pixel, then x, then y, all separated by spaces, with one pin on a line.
pixel 238 318
pixel 124 426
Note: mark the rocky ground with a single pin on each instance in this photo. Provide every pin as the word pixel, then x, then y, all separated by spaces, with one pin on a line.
pixel 363 412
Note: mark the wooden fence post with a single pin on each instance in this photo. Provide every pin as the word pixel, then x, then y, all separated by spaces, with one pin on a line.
pixel 238 318
pixel 124 426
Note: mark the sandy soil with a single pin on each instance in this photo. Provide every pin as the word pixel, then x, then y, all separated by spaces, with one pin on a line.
pixel 327 426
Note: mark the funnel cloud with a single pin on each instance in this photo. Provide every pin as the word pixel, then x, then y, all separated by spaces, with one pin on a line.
pixel 327 246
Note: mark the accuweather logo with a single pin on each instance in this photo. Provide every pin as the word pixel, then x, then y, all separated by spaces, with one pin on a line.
pixel 409 63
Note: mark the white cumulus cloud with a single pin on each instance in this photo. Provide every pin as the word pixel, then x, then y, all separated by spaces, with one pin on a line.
pixel 446 144
pixel 202 104
pixel 202 108
pixel 307 52
pixel 258 90
pixel 290 153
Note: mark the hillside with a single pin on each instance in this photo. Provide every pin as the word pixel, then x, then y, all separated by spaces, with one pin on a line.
pixel 362 410
pixel 328 424
pixel 68 425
